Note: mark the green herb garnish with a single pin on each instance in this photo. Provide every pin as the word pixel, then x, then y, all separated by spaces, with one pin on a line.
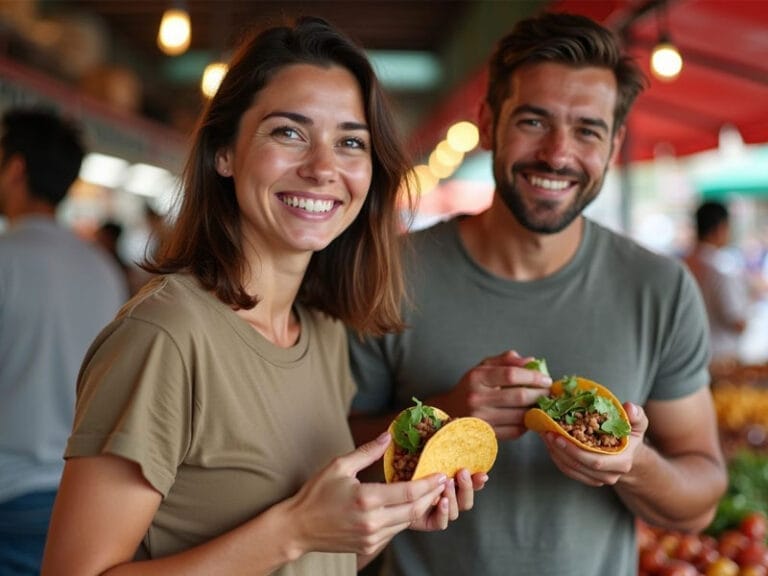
pixel 572 400
pixel 538 364
pixel 406 434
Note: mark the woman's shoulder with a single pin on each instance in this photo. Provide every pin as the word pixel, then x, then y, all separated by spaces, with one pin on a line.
pixel 172 301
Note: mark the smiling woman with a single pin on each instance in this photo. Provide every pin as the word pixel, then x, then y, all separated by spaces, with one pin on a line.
pixel 211 428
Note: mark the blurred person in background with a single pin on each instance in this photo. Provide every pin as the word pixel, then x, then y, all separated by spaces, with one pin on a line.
pixel 107 236
pixel 722 277
pixel 211 432
pixel 56 292
pixel 532 276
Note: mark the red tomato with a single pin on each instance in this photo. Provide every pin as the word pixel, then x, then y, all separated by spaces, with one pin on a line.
pixel 706 557
pixel 652 558
pixel 731 542
pixel 754 525
pixel 753 553
pixel 678 568
pixel 688 547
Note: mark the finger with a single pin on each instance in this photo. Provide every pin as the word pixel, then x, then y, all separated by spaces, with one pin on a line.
pixel 364 456
pixel 399 493
pixel 479 481
pixel 451 496
pixel 510 357
pixel 465 492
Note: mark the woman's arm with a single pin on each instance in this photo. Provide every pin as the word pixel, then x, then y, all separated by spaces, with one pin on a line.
pixel 105 506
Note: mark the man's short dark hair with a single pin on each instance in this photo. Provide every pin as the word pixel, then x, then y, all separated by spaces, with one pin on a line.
pixel 50 146
pixel 709 216
pixel 568 39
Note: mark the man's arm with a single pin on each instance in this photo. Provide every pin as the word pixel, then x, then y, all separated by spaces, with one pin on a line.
pixel 679 475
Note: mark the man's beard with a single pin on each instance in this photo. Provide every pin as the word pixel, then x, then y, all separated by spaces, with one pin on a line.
pixel 543 217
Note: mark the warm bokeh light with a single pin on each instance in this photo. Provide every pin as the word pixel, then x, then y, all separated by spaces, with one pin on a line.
pixel 212 76
pixel 666 62
pixel 448 155
pixel 425 180
pixel 174 35
pixel 463 136
pixel 438 167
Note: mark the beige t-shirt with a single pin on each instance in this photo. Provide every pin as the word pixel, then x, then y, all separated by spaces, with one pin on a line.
pixel 223 423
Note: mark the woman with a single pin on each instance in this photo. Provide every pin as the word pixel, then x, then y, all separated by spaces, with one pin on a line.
pixel 209 410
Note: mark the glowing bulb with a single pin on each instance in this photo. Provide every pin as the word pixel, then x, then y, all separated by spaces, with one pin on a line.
pixel 212 76
pixel 463 136
pixel 666 61
pixel 174 34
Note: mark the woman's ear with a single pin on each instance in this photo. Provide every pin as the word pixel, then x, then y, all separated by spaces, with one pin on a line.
pixel 224 162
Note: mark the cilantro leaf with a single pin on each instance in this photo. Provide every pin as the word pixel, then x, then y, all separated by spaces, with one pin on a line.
pixel 573 400
pixel 406 435
pixel 538 364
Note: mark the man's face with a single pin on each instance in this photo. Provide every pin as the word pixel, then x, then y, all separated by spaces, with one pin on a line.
pixel 552 142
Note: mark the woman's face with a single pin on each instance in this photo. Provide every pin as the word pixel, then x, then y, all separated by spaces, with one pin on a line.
pixel 301 161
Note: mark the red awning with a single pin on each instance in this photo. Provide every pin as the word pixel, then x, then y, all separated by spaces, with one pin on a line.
pixel 724 81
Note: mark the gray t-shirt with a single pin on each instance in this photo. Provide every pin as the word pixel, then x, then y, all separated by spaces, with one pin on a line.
pixel 56 292
pixel 617 314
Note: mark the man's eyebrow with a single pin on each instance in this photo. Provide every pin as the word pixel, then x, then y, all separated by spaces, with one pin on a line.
pixel 306 121
pixel 531 109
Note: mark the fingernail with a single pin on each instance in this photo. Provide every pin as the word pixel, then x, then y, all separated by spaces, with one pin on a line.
pixel 383 438
pixel 443 479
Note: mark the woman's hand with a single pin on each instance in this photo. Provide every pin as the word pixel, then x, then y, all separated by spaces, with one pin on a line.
pixel 334 511
pixel 458 496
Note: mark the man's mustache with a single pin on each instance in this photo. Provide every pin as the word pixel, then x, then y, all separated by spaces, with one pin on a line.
pixel 544 168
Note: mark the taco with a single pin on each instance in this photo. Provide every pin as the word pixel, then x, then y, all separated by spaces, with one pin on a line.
pixel 425 440
pixel 585 413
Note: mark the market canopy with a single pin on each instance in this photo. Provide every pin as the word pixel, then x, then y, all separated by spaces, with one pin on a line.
pixel 724 80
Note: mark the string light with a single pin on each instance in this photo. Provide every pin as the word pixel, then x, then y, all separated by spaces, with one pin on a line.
pixel 174 35
pixel 212 76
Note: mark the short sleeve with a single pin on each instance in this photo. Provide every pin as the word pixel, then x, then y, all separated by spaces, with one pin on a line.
pixel 134 401
pixel 684 366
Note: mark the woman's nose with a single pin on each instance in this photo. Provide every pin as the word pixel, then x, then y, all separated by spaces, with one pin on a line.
pixel 319 164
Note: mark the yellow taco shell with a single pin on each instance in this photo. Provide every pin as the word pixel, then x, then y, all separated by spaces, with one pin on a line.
pixel 461 443
pixel 538 420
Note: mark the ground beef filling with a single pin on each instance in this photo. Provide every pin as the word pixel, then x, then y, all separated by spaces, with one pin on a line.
pixel 586 429
pixel 404 462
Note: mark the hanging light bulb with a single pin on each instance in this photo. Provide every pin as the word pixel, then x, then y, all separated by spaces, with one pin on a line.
pixel 174 35
pixel 212 76
pixel 666 62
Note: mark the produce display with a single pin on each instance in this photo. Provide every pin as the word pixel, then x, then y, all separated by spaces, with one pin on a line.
pixel 735 542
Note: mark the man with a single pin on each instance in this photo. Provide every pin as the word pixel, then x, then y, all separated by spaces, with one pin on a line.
pixel 56 292
pixel 722 279
pixel 532 277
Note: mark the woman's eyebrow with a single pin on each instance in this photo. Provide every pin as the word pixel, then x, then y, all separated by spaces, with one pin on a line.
pixel 306 121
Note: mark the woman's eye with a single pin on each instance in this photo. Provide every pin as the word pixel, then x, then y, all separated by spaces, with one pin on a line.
pixel 286 132
pixel 353 142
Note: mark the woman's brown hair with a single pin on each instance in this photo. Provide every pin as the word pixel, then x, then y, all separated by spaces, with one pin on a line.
pixel 357 278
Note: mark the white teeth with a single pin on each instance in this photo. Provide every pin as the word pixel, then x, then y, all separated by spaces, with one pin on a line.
pixel 309 205
pixel 549 184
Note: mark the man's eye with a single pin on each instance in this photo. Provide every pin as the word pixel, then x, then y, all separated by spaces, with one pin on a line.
pixel 589 133
pixel 533 122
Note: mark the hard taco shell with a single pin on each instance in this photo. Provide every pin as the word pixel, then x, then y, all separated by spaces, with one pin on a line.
pixel 538 420
pixel 461 443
